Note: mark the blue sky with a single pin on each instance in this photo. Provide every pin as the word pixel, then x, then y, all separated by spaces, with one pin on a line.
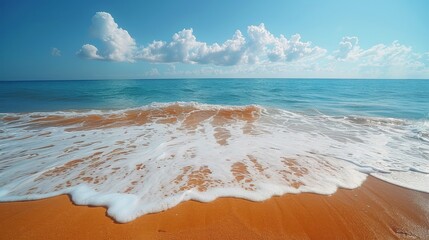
pixel 181 39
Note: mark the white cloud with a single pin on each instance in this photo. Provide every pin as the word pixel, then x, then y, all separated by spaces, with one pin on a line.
pixel 185 48
pixel 395 54
pixel 262 46
pixel 55 52
pixel 118 44
pixel 89 51
pixel 348 49
pixel 393 60
pixel 259 40
pixel 255 51
pixel 229 53
pixel 379 60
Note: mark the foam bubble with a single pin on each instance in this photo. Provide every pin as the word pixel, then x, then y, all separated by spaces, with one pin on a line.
pixel 148 159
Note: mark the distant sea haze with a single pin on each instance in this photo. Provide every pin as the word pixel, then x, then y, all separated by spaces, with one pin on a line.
pixel 143 146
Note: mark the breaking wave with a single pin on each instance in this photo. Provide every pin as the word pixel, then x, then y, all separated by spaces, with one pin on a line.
pixel 143 160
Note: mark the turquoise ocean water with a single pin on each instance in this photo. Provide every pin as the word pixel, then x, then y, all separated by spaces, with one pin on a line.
pixel 408 99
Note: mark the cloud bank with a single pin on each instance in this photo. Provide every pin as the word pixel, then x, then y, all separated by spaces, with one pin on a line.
pixel 185 48
pixel 259 46
pixel 257 49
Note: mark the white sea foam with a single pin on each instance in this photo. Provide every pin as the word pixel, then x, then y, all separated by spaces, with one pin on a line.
pixel 138 161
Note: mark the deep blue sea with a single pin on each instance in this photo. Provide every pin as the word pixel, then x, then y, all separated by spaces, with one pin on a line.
pixel 408 99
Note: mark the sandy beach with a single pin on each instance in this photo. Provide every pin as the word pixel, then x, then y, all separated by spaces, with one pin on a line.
pixel 375 210
pixel 214 120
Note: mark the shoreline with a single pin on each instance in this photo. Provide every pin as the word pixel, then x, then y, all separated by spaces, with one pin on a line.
pixel 376 209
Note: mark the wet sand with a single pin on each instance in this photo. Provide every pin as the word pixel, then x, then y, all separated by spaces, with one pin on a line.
pixel 375 210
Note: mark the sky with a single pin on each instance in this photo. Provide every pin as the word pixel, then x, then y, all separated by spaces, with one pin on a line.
pixel 58 40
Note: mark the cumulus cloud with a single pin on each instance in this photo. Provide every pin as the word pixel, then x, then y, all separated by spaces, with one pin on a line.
pixel 261 46
pixel 118 45
pixel 394 54
pixel 55 52
pixel 185 48
pixel 256 48
pixel 89 51
pixel 380 60
pixel 380 55
pixel 348 49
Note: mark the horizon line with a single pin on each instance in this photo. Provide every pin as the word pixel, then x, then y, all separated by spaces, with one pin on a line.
pixel 208 78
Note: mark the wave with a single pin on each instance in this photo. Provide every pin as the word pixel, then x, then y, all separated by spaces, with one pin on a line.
pixel 148 159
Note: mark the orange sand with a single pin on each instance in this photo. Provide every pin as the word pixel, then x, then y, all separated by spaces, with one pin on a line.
pixel 190 115
pixel 375 210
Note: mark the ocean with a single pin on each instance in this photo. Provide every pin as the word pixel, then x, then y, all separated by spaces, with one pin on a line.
pixel 406 99
pixel 143 146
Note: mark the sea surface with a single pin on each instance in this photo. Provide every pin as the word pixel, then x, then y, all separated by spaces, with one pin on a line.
pixel 407 99
pixel 143 146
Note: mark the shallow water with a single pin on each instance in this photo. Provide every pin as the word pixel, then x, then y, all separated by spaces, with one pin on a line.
pixel 250 139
